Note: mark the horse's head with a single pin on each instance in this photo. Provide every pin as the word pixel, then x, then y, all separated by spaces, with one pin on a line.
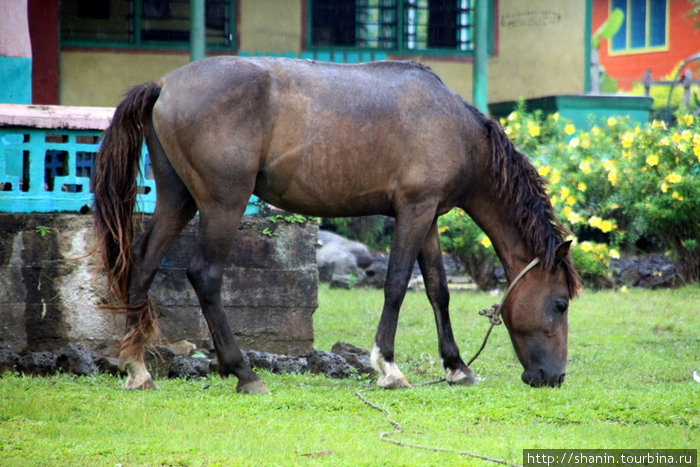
pixel 536 315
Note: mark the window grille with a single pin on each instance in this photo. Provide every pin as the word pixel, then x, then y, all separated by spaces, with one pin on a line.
pixel 143 23
pixel 401 26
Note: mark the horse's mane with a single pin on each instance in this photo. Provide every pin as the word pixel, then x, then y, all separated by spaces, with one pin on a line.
pixel 518 183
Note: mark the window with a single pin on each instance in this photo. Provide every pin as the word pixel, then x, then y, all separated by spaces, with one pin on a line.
pixel 143 23
pixel 401 26
pixel 644 28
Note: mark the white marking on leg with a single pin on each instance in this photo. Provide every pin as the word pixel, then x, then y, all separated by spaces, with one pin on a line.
pixel 390 377
pixel 139 377
pixel 458 376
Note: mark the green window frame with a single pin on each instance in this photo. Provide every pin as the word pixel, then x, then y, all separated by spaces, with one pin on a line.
pixel 644 29
pixel 397 27
pixel 144 24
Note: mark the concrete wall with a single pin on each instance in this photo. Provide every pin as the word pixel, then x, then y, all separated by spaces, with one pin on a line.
pixel 539 51
pixel 47 300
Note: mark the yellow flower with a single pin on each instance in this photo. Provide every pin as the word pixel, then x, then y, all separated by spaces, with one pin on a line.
pixel 533 129
pixel 624 289
pixel 544 170
pixel 585 167
pixel 569 129
pixel 585 142
pixel 627 139
pixel 664 187
pixel 595 221
pixel 556 177
pixel 503 121
pixel 614 254
pixel 627 155
pixel 485 242
pixel 686 119
pixel 612 121
pixel 664 141
pixel 554 116
pixel 586 246
pixel 607 226
pixel 581 186
pixel 570 200
pixel 696 151
pixel 612 177
pixel 573 142
pixel 652 160
pixel 676 138
pixel 443 228
pixel 676 195
pixel 574 218
pixel 673 177
pixel 609 165
pixel 565 192
pixel 658 124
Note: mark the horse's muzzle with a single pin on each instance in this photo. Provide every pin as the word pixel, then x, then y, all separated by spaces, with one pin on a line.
pixel 540 377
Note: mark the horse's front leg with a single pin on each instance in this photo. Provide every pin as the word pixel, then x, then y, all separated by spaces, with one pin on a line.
pixel 430 261
pixel 412 223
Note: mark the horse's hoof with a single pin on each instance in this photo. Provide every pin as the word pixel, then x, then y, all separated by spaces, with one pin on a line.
pixel 460 377
pixel 147 384
pixel 392 381
pixel 253 387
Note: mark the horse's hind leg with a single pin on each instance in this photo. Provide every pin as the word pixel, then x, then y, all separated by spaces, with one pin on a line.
pixel 174 208
pixel 218 227
pixel 430 261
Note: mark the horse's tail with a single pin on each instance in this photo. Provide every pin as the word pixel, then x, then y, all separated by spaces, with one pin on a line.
pixel 114 180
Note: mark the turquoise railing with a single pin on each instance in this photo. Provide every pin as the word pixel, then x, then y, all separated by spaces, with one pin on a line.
pixel 338 56
pixel 49 170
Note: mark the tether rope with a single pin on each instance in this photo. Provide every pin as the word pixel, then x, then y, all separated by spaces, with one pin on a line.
pixel 493 313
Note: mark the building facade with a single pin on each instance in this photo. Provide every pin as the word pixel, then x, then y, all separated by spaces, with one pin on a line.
pixel 90 52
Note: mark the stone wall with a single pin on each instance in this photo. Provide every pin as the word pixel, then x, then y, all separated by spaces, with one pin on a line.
pixel 49 291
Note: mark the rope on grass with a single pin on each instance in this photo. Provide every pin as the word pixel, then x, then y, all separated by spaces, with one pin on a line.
pixel 385 435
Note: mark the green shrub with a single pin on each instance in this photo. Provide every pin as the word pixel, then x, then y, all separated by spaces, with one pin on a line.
pixel 619 182
pixel 461 237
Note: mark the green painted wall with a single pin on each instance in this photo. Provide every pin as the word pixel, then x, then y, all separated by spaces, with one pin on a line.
pixel 16 79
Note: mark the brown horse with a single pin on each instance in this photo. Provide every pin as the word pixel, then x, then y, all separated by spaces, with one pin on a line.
pixel 327 140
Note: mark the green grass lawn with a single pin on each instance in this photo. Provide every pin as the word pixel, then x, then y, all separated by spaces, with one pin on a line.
pixel 629 385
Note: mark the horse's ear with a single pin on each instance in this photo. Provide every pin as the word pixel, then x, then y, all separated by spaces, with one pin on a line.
pixel 561 251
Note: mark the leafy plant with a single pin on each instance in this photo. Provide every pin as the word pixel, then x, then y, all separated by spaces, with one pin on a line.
pixel 619 182
pixel 460 236
pixel 43 230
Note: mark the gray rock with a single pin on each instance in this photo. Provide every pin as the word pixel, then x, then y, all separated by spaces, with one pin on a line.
pixel 38 364
pixel 108 365
pixel 182 367
pixel 648 271
pixel 77 360
pixel 291 365
pixel 345 281
pixel 363 257
pixel 333 260
pixel 357 357
pixel 8 360
pixel 158 361
pixel 328 364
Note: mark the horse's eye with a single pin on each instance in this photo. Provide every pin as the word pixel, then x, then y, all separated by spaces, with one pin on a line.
pixel 561 305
